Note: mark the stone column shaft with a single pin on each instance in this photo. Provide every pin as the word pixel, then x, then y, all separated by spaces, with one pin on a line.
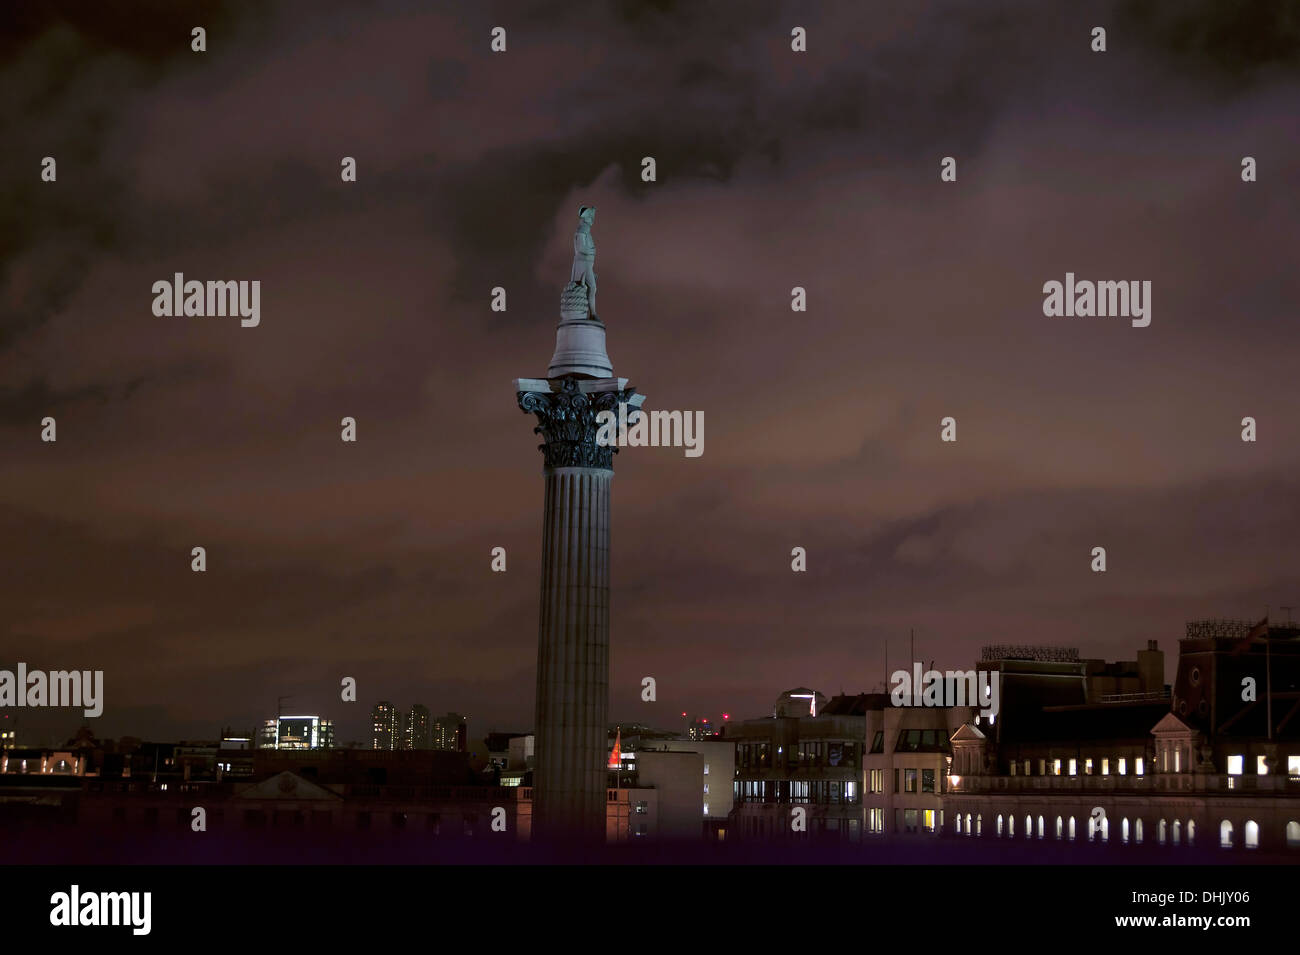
pixel 573 656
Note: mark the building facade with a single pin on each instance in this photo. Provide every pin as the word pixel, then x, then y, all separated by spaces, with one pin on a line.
pixel 800 762
pixel 1214 766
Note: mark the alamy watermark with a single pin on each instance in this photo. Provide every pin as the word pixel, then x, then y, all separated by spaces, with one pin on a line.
pixel 669 429
pixel 84 688
pixel 946 688
pixel 1085 299
pixel 75 908
pixel 179 297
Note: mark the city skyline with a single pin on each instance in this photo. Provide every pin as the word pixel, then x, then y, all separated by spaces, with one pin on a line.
pixel 372 560
pixel 690 724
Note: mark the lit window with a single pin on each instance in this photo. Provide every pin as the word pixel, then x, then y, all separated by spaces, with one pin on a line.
pixel 1123 766
pixel 1261 766
pixel 1293 765
pixel 1137 766
pixel 706 769
pixel 1087 767
pixel 1056 767
pixel 1105 767
pixel 1235 765
pixel 1074 768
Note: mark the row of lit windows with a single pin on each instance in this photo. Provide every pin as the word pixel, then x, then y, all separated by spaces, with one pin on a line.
pixel 1099 830
pixel 1071 766
pixel 913 780
pixel 819 791
pixel 1236 766
pixel 906 820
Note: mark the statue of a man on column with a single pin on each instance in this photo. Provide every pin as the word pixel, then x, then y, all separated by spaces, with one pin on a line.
pixel 584 257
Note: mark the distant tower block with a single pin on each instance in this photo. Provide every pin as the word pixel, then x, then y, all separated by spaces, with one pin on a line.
pixel 569 775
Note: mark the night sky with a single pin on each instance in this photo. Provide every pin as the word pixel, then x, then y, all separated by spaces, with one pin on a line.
pixel 775 169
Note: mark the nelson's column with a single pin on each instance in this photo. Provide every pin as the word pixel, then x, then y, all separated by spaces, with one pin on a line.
pixel 569 772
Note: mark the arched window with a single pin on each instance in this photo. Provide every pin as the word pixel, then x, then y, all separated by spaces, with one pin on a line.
pixel 1292 834
pixel 1191 832
pixel 1040 827
pixel 1060 828
pixel 1252 834
pixel 1071 828
pixel 1105 829
pixel 1029 827
pixel 979 824
pixel 1178 833
pixel 1225 834
pixel 999 824
pixel 1137 831
pixel 1123 830
pixel 969 830
pixel 1011 826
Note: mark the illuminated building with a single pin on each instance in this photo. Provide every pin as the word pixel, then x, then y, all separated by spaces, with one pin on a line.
pixel 449 733
pixel 417 731
pixel 1086 751
pixel 795 759
pixel 297 732
pixel 384 721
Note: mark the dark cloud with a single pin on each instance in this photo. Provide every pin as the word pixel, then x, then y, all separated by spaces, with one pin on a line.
pixel 153 31
pixel 1233 40
pixel 775 170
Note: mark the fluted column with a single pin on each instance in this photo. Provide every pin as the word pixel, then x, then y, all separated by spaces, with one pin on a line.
pixel 569 771
pixel 573 656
